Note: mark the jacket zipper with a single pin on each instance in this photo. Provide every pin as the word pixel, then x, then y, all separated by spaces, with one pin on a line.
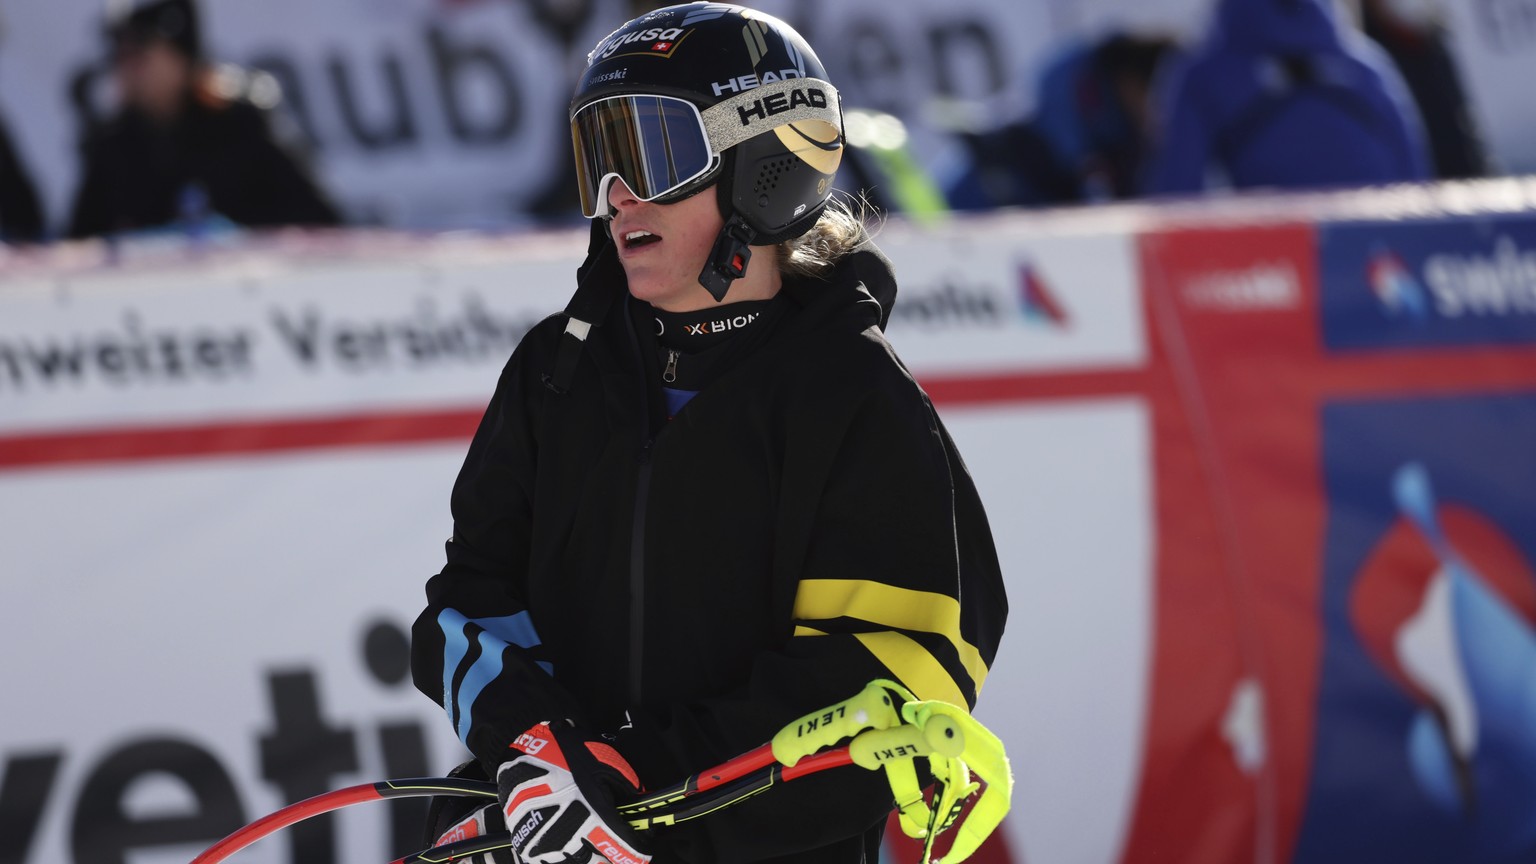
pixel 637 574
pixel 637 534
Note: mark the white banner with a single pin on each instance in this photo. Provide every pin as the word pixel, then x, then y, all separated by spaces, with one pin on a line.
pixel 378 322
pixel 387 322
pixel 452 112
pixel 192 644
pixel 418 111
pixel 998 296
pixel 196 639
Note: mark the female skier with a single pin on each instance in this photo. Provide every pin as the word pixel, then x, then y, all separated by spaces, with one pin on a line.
pixel 708 498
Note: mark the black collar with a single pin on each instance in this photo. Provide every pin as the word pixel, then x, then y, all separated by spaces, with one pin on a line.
pixel 690 332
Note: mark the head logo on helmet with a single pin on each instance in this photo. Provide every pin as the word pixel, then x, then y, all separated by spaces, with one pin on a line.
pixel 709 93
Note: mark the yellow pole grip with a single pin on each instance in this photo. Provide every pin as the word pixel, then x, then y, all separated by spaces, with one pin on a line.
pixel 871 708
pixel 873 749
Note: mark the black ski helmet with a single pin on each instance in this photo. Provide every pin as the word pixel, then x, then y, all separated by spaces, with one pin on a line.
pixel 705 93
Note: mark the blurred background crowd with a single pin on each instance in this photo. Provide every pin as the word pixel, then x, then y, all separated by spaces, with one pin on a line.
pixel 142 115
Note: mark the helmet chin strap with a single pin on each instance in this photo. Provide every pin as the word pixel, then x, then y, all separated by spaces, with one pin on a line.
pixel 728 259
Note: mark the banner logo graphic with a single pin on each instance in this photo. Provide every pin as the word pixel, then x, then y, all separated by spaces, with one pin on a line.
pixel 1036 299
pixel 1399 292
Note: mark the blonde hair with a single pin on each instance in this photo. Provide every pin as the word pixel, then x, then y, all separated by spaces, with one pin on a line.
pixel 840 231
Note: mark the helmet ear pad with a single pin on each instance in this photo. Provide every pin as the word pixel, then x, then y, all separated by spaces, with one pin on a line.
pixel 776 193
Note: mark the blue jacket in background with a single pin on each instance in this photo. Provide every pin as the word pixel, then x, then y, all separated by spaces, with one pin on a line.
pixel 1280 94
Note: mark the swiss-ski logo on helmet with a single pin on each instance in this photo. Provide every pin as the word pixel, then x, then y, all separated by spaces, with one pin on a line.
pixel 616 75
pixel 778 103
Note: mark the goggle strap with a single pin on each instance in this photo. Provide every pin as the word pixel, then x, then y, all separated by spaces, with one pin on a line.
pixel 753 112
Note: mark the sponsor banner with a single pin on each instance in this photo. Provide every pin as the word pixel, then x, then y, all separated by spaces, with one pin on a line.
pixel 242 619
pixel 259 330
pixel 985 295
pixel 447 113
pixel 1253 578
pixel 255 333
pixel 194 644
pixel 1426 697
pixel 324 550
pixel 1235 312
pixel 1342 508
pixel 414 112
pixel 323 542
pixel 453 112
pixel 1392 285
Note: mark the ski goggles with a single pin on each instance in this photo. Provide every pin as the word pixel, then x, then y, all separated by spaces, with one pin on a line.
pixel 655 144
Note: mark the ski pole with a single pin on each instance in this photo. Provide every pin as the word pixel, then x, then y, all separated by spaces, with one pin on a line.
pixel 721 786
pixel 726 785
pixel 326 802
pixel 879 734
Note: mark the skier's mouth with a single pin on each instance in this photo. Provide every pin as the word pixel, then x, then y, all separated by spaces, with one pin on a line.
pixel 639 238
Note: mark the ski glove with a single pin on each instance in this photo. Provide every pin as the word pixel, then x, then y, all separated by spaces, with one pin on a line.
pixel 486 820
pixel 558 798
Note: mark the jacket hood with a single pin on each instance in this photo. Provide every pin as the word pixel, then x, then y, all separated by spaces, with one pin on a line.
pixel 857 296
pixel 1290 26
pixel 869 273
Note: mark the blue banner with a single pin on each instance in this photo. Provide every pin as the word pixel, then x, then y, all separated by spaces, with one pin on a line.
pixel 1425 747
pixel 1387 285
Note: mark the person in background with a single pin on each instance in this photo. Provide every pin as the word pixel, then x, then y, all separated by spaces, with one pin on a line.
pixel 1094 111
pixel 190 140
pixel 1414 36
pixel 1010 166
pixel 1085 141
pixel 21 219
pixel 1282 94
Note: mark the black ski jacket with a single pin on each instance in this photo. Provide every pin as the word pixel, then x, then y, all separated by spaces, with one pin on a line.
pixel 802 526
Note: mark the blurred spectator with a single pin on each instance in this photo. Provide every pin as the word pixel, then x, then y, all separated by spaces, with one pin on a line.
pixel 190 140
pixel 20 218
pixel 1415 39
pixel 1011 166
pixel 1280 94
pixel 1094 111
pixel 1087 138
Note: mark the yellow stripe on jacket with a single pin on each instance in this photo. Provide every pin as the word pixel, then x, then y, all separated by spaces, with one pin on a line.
pixel 899 609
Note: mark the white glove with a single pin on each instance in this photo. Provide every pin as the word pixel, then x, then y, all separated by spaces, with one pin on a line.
pixel 558 798
pixel 486 820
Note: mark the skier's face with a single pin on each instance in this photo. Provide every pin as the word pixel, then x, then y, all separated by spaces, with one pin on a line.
pixel 664 246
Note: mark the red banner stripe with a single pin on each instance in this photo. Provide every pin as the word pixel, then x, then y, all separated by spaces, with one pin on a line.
pixel 130 444
pixel 406 426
